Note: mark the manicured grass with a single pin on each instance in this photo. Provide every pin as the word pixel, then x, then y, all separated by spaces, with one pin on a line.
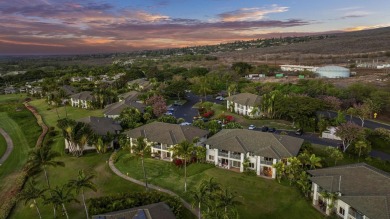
pixel 49 113
pixel 106 181
pixel 3 145
pixel 11 97
pixel 260 198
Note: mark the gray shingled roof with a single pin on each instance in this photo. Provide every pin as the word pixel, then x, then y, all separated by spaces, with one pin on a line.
pixel 166 133
pixel 118 107
pixel 362 186
pixel 131 96
pixel 85 95
pixel 246 99
pixel 69 90
pixel 260 143
pixel 102 125
pixel 152 211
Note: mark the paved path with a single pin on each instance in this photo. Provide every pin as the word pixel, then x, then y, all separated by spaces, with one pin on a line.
pixel 117 172
pixel 10 146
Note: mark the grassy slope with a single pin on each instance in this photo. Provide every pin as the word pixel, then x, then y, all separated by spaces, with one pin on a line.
pixel 3 145
pixel 260 198
pixel 106 182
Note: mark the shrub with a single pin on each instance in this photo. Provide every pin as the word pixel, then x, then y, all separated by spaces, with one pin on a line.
pixel 208 114
pixel 178 162
pixel 124 201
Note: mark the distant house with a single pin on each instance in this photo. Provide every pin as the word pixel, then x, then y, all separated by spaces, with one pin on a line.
pixel 100 126
pixel 139 84
pixel 83 99
pixel 229 148
pixel 361 190
pixel 69 90
pixel 35 90
pixel 246 104
pixel 163 136
pixel 23 89
pixel 76 79
pixel 126 100
pixel 9 90
pixel 152 211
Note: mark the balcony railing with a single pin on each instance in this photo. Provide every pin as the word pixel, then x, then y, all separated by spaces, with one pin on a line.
pixel 157 146
pixel 266 162
pixel 223 154
pixel 235 156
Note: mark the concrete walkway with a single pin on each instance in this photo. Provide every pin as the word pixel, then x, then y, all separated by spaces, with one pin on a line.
pixel 10 146
pixel 117 172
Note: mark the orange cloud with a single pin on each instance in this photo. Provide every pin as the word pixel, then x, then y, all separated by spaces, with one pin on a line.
pixel 97 40
pixel 357 28
pixel 250 14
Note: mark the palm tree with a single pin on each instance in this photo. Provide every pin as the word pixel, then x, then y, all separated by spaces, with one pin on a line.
pixel 61 196
pixel 314 161
pixel 83 181
pixel 76 134
pixel 226 200
pixel 83 135
pixel 140 149
pixel 42 157
pixel 32 193
pixel 199 197
pixel 184 150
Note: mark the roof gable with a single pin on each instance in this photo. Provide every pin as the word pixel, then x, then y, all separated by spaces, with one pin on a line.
pixel 260 143
pixel 246 99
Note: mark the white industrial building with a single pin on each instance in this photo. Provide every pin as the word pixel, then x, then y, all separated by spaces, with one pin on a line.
pixel 298 68
pixel 333 72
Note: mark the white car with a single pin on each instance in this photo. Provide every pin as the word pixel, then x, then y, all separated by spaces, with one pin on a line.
pixel 220 98
pixel 169 113
pixel 251 127
pixel 185 123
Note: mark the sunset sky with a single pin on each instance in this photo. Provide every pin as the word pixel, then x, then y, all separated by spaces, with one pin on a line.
pixel 84 26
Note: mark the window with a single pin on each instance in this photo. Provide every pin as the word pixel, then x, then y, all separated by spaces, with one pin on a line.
pixel 252 165
pixel 211 157
pixel 341 211
pixel 236 164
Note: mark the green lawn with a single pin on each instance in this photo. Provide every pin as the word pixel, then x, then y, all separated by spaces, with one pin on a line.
pixel 260 198
pixel 3 145
pixel 11 97
pixel 106 182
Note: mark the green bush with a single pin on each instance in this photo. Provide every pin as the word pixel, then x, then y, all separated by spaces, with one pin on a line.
pixel 124 201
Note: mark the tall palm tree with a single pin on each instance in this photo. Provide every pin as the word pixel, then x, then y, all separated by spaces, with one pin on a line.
pixel 83 135
pixel 210 189
pixel 199 197
pixel 184 150
pixel 43 157
pixel 30 192
pixel 140 149
pixel 83 181
pixel 227 202
pixel 40 159
pixel 61 196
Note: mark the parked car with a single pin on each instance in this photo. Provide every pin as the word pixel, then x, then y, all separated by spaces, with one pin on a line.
pixel 271 130
pixel 299 132
pixel 169 113
pixel 220 98
pixel 185 123
pixel 264 129
pixel 251 127
pixel 171 109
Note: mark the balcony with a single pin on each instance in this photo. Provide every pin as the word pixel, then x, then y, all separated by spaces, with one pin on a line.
pixel 157 146
pixel 235 156
pixel 270 163
pixel 223 154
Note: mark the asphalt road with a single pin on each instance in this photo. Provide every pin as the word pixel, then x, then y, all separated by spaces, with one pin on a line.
pixel 187 112
pixel 367 123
